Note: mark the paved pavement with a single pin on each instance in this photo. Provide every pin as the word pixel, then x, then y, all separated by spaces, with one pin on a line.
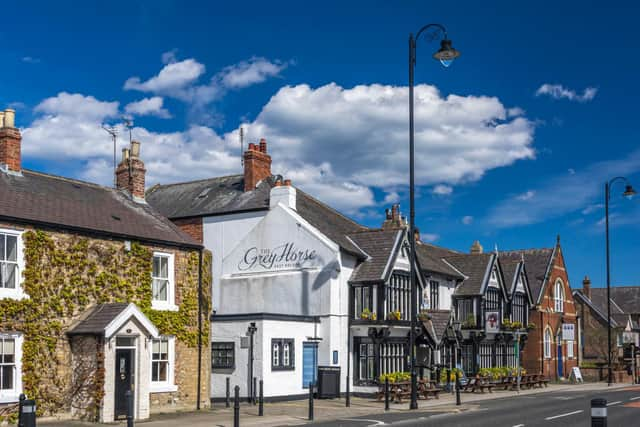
pixel 501 408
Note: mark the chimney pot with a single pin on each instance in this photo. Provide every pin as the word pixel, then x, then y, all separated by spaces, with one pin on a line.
pixel 476 248
pixel 287 182
pixel 263 146
pixel 9 118
pixel 10 142
pixel 135 149
pixel 586 287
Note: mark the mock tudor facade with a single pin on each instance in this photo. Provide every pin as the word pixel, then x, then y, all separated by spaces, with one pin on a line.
pixel 99 294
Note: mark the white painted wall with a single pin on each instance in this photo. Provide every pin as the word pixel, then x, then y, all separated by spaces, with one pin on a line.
pixel 220 235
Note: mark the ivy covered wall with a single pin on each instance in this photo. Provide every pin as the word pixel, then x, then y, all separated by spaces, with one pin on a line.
pixel 65 274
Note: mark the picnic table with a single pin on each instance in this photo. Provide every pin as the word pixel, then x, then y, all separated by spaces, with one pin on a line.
pixel 402 390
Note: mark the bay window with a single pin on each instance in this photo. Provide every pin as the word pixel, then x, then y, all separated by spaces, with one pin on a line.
pixel 364 300
pixel 398 295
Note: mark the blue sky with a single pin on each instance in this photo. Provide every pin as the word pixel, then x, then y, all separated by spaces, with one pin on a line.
pixel 501 158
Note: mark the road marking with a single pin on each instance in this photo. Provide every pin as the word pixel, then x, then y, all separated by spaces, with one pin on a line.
pixel 375 422
pixel 635 398
pixel 563 415
pixel 614 403
pixel 519 425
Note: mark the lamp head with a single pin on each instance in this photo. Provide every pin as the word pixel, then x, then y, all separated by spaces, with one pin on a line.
pixel 629 192
pixel 446 54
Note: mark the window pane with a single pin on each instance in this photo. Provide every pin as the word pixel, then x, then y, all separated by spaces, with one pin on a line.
pixel 2 245
pixel 160 289
pixel 155 349
pixel 163 368
pixel 164 267
pixel 285 354
pixel 6 377
pixel 10 276
pixel 156 266
pixel 276 354
pixel 12 248
pixel 164 350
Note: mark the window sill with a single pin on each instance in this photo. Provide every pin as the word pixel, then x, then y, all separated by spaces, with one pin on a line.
pixel 281 368
pixel 163 388
pixel 163 306
pixel 16 294
pixel 9 398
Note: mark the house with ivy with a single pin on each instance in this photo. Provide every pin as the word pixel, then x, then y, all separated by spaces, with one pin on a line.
pixel 99 295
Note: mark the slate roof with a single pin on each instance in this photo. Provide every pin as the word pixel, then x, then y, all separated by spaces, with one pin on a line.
pixel 431 257
pixel 206 197
pixel 509 269
pixel 224 195
pixel 97 319
pixel 440 321
pixel 537 262
pixel 39 198
pixel 599 299
pixel 379 245
pixel 626 297
pixel 475 267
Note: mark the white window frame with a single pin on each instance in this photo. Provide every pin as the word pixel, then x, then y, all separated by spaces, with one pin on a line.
pixel 570 349
pixel 170 303
pixel 12 395
pixel 558 297
pixel 17 292
pixel 548 343
pixel 168 385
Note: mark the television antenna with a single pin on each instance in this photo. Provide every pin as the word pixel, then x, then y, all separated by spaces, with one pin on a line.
pixel 128 123
pixel 241 146
pixel 111 130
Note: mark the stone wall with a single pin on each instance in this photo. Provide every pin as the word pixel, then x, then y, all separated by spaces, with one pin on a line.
pixel 65 275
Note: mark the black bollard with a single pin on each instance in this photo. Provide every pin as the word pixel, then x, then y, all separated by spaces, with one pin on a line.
pixel 261 400
pixel 348 396
pixel 21 400
pixel 228 399
pixel 254 391
pixel 386 394
pixel 458 403
pixel 129 397
pixel 236 406
pixel 310 401
pixel 599 412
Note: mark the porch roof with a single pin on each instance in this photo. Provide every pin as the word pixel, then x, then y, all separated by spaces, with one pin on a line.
pixel 107 319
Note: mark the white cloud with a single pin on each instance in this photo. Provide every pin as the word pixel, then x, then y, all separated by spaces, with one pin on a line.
pixel 467 219
pixel 442 190
pixel 592 208
pixel 172 79
pixel 557 91
pixel 571 171
pixel 169 56
pixel 30 60
pixel 429 237
pixel 337 144
pixel 390 198
pixel 148 107
pixel 526 195
pixel 563 194
pixel 247 73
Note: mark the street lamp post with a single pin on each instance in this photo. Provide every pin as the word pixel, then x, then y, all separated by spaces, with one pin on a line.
pixel 446 54
pixel 628 192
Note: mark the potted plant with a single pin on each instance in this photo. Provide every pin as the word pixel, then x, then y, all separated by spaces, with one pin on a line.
pixel 516 325
pixel 506 323
pixel 394 315
pixel 531 326
pixel 368 315
pixel 470 323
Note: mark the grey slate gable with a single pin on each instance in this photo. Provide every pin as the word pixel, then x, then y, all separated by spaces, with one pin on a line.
pixel 97 319
pixel 475 268
pixel 538 263
pixel 381 246
pixel 54 201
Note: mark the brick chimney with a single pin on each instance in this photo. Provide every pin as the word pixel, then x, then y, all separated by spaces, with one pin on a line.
pixel 586 287
pixel 130 173
pixel 393 218
pixel 476 248
pixel 10 139
pixel 257 165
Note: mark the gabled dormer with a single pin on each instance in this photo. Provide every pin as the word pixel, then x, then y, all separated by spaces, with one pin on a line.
pixel 519 291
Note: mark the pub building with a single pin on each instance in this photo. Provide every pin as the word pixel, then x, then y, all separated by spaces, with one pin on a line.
pixel 297 286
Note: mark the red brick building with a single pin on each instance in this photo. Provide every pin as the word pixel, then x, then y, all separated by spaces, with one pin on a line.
pixel 546 351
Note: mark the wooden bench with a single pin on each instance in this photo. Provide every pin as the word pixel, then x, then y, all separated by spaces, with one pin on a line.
pixel 428 388
pixel 470 386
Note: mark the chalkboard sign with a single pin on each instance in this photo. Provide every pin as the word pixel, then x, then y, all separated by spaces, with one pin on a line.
pixel 576 375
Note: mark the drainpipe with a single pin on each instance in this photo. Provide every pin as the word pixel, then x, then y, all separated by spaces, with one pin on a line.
pixel 542 329
pixel 199 328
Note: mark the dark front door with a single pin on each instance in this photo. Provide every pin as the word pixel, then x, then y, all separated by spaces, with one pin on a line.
pixel 124 379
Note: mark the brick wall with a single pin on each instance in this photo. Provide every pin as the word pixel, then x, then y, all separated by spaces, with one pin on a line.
pixel 544 316
pixel 191 226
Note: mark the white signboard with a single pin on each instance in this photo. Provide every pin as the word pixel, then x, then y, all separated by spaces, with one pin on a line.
pixel 576 374
pixel 568 332
pixel 492 322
